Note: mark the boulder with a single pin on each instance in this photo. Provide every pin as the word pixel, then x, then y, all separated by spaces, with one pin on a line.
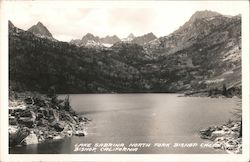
pixel 30 139
pixel 39 115
pixel 12 129
pixel 230 124
pixel 41 139
pixel 12 120
pixel 39 102
pixel 69 118
pixel 80 133
pixel 76 119
pixel 53 115
pixel 12 112
pixel 26 121
pixel 220 139
pixel 207 132
pixel 43 111
pixel 59 126
pixel 29 100
pixel 69 133
pixel 19 136
pixel 217 145
pixel 17 112
pixel 42 123
pixel 80 119
pixel 58 137
pixel 50 136
pixel 235 128
pixel 60 105
pixel 84 119
pixel 28 113
pixel 216 134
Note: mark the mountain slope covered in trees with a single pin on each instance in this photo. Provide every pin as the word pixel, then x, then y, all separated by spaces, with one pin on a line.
pixel 203 54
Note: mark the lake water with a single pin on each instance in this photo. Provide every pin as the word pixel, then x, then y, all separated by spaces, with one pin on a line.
pixel 142 118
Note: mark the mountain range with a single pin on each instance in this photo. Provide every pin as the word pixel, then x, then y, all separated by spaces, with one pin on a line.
pixel 89 40
pixel 203 54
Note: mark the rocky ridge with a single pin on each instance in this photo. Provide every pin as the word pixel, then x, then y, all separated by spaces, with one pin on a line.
pixel 109 41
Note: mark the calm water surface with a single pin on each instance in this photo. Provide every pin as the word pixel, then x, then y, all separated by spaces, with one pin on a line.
pixel 145 118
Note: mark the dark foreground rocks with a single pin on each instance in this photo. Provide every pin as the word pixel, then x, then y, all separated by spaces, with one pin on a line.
pixel 225 137
pixel 36 118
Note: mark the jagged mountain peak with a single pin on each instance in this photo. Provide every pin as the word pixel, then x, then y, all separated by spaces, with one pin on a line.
pixel 110 39
pixel 203 14
pixel 40 30
pixel 144 39
pixel 10 23
pixel 150 34
pixel 39 23
pixel 131 36
pixel 113 37
pixel 90 36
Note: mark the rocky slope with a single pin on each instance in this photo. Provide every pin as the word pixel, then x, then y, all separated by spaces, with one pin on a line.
pixel 41 31
pixel 144 39
pixel 35 118
pixel 202 55
pixel 200 25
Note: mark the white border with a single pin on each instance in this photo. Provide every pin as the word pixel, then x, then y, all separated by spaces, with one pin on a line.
pixel 121 157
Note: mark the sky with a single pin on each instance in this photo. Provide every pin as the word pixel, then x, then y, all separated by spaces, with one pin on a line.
pixel 73 20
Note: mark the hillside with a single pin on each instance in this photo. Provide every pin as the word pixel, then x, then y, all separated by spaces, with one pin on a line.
pixel 37 64
pixel 203 54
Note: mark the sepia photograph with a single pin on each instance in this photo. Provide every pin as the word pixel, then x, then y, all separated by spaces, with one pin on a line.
pixel 122 78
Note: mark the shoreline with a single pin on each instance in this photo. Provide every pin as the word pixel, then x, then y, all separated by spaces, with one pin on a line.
pixel 232 92
pixel 36 118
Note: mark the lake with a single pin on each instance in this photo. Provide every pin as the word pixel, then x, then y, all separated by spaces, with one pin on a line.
pixel 157 120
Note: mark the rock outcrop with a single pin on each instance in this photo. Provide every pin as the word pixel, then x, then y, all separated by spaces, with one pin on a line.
pixel 226 137
pixel 35 118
